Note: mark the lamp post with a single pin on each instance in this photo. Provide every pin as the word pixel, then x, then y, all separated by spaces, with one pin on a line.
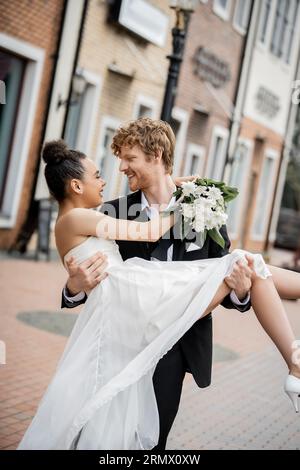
pixel 183 9
pixel 77 89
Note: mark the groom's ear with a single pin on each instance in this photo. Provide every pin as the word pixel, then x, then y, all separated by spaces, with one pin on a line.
pixel 158 154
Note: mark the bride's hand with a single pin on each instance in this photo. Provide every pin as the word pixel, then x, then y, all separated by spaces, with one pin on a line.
pixel 178 180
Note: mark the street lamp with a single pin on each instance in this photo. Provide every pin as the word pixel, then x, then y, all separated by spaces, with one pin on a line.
pixel 77 89
pixel 183 9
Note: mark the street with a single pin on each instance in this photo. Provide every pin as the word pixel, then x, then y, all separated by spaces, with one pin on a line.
pixel 244 408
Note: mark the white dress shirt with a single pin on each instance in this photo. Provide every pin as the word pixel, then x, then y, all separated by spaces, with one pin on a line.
pixel 153 211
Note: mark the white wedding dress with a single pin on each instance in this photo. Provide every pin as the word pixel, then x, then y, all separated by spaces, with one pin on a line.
pixel 101 396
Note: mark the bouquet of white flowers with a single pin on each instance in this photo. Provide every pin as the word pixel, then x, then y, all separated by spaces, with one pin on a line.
pixel 202 205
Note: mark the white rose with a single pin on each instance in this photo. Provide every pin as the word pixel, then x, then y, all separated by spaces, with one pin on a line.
pixel 210 219
pixel 201 190
pixel 199 223
pixel 188 210
pixel 210 202
pixel 188 188
pixel 215 193
pixel 217 219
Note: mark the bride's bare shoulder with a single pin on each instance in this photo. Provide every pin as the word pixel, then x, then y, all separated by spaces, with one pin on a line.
pixel 75 216
pixel 66 236
pixel 78 222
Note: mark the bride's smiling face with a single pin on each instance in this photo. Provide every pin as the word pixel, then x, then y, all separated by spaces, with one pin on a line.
pixel 90 187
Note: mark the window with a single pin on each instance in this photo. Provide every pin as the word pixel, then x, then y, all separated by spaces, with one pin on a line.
pixel 194 160
pixel 279 27
pixel 222 8
pixel 21 66
pixel 266 7
pixel 107 162
pixel 82 113
pixel 73 120
pixel 238 179
pixel 290 29
pixel 284 27
pixel 144 106
pixel 12 71
pixel 217 154
pixel 264 195
pixel 144 111
pixel 241 15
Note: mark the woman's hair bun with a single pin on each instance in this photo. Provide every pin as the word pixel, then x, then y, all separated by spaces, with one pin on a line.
pixel 55 151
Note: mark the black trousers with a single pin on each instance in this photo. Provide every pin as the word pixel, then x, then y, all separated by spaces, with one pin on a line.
pixel 167 380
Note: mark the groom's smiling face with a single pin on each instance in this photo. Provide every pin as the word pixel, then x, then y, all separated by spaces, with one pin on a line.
pixel 137 167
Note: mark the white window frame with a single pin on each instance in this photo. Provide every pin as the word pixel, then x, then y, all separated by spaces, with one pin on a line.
pixel 182 116
pixel 89 111
pixel 236 26
pixel 24 123
pixel 223 133
pixel 152 104
pixel 224 14
pixel 199 151
pixel 111 184
pixel 244 190
pixel 284 58
pixel 274 155
pixel 149 102
pixel 265 45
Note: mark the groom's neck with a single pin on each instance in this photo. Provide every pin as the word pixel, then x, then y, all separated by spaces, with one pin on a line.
pixel 160 191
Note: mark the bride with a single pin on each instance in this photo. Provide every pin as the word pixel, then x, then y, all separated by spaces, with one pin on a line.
pixel 102 396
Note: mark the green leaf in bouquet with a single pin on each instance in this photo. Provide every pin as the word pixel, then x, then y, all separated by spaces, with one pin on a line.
pixel 178 192
pixel 217 237
pixel 230 194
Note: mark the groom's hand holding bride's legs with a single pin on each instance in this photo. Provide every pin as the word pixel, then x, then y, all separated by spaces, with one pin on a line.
pixel 85 276
pixel 240 280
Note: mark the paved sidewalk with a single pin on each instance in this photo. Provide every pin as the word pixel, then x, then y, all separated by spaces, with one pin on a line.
pixel 245 407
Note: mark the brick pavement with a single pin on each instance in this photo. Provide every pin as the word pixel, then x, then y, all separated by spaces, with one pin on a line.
pixel 244 408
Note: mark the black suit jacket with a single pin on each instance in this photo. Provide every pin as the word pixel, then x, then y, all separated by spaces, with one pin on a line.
pixel 196 344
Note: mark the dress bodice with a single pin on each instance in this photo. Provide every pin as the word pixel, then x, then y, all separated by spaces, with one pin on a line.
pixel 91 245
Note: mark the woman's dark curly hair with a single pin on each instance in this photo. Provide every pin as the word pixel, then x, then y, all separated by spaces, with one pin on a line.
pixel 62 164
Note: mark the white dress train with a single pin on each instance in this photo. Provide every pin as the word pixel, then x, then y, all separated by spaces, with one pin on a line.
pixel 102 396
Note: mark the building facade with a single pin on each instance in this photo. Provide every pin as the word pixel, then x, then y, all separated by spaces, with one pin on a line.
pixel 78 71
pixel 260 135
pixel 123 63
pixel 207 87
pixel 28 45
pixel 232 109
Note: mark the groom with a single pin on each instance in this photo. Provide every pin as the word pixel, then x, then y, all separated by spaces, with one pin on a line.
pixel 145 149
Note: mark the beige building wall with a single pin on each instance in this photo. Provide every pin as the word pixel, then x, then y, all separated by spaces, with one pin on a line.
pixel 140 73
